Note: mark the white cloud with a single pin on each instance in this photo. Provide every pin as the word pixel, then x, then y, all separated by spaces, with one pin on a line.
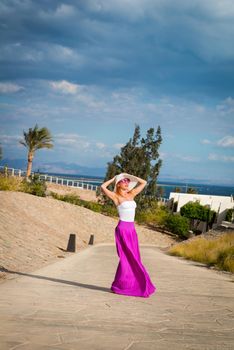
pixel 9 88
pixel 205 141
pixel 7 139
pixel 118 145
pixel 229 101
pixel 81 93
pixel 39 52
pixel 187 158
pixel 10 142
pixel 61 12
pixel 64 10
pixel 219 9
pixel 213 156
pixel 226 141
pixel 100 145
pixel 62 54
pixel 90 101
pixel 15 52
pixel 218 157
pixel 65 87
pixel 72 141
pixel 226 107
pixel 132 9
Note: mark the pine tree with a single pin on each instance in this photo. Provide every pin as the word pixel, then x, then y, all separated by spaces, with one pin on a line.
pixel 135 158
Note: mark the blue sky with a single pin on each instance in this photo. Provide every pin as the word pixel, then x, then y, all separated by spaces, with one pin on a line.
pixel 91 70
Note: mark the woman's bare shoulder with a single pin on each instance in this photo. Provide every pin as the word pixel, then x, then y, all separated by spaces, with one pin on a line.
pixel 120 199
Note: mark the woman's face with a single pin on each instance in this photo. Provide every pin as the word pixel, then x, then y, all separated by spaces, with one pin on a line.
pixel 123 184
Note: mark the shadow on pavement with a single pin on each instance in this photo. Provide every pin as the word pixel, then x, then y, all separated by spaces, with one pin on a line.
pixel 83 285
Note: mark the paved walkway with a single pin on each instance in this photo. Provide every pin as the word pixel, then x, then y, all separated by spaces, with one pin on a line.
pixel 68 305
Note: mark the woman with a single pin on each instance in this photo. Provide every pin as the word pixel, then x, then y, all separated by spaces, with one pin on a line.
pixel 131 277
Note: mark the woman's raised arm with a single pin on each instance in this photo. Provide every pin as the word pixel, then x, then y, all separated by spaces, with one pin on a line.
pixel 109 193
pixel 140 187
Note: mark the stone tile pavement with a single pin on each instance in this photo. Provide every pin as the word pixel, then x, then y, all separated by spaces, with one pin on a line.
pixel 68 305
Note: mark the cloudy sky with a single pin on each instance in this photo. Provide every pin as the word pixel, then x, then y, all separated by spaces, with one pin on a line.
pixel 90 70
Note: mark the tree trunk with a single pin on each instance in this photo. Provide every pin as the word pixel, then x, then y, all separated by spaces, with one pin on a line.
pixel 29 166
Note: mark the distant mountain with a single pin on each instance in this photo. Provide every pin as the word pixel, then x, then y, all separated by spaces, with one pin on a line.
pixel 183 180
pixel 14 163
pixel 54 167
pixel 64 168
pixel 192 181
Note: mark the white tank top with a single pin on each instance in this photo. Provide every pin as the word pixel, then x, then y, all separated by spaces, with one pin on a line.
pixel 126 210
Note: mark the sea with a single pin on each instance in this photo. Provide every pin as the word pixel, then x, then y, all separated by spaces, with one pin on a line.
pixel 167 186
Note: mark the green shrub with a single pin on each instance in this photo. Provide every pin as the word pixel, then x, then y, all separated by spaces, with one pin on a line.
pixel 70 198
pixel 177 224
pixel 93 206
pixel 161 216
pixel 229 215
pixel 55 195
pixel 75 199
pixel 142 216
pixel 194 210
pixel 34 186
pixel 154 216
pixel 197 213
pixel 109 210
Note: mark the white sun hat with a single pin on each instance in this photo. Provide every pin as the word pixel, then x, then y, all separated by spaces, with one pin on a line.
pixel 133 180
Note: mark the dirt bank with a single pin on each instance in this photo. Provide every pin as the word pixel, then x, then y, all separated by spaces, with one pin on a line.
pixel 34 231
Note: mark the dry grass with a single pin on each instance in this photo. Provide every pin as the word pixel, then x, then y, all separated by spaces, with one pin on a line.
pixel 10 183
pixel 218 252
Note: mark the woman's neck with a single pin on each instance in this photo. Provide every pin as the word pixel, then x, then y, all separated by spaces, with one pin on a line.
pixel 124 194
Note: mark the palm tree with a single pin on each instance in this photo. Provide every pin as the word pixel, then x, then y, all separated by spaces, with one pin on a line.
pixel 35 139
pixel 192 190
pixel 177 189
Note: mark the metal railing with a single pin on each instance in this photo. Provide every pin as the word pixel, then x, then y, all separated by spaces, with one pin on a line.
pixel 51 179
pixel 84 184
pixel 68 182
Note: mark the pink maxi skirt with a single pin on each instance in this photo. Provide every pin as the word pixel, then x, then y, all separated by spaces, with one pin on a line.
pixel 131 277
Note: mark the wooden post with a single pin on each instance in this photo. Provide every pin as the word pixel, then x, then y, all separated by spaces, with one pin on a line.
pixel 71 247
pixel 91 240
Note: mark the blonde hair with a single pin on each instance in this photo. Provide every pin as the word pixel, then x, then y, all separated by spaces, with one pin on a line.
pixel 117 189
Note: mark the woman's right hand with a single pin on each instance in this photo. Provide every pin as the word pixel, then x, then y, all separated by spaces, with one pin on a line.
pixel 108 182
